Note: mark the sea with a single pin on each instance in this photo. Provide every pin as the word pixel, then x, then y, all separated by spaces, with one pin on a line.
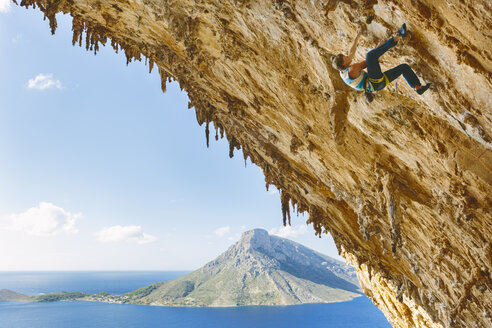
pixel 359 312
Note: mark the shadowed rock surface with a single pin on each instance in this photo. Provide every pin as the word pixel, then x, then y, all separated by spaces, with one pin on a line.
pixel 403 185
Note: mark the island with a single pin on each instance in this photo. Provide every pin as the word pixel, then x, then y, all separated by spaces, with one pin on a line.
pixel 259 269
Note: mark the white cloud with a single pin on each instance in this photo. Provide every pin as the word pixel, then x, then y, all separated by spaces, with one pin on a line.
pixel 17 38
pixel 43 82
pixel 119 233
pixel 43 220
pixel 4 6
pixel 222 231
pixel 289 231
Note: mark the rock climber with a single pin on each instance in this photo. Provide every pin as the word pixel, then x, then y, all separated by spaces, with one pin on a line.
pixel 375 80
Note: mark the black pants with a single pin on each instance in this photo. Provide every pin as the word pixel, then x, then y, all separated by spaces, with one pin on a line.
pixel 374 69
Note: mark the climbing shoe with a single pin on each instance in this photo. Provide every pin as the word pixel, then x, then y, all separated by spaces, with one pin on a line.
pixel 423 89
pixel 402 31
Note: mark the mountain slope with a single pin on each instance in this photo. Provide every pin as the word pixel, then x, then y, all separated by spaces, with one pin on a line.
pixel 8 295
pixel 259 270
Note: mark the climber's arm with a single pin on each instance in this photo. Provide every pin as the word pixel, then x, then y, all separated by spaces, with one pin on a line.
pixel 348 59
pixel 355 69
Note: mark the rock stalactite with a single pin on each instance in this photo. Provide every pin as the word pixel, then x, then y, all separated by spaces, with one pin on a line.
pixel 403 184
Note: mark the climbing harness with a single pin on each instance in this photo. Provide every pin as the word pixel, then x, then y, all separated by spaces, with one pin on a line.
pixel 374 84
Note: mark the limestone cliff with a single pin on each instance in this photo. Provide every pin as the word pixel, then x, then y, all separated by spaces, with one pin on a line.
pixel 402 184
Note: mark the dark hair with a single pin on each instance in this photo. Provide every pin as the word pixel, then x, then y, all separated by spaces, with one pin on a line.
pixel 337 62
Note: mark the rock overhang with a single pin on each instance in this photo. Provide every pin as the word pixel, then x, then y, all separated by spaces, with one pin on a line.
pixel 403 185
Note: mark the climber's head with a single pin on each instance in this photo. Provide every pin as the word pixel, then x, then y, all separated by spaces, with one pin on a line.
pixel 338 62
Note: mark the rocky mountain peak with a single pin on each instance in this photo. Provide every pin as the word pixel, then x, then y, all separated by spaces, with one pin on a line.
pixel 255 239
pixel 261 269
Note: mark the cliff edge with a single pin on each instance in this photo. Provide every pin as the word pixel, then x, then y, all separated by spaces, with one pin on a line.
pixel 403 184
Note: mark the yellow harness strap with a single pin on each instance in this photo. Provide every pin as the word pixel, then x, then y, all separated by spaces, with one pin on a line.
pixel 371 80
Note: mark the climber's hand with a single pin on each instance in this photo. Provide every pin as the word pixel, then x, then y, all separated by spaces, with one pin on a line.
pixel 360 31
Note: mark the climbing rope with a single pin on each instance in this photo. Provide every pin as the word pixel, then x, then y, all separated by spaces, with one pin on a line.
pixel 403 103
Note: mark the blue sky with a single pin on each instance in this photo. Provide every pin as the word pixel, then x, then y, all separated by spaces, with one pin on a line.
pixel 100 170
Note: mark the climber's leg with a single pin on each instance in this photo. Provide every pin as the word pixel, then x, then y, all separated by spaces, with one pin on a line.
pixel 409 75
pixel 372 59
pixel 407 72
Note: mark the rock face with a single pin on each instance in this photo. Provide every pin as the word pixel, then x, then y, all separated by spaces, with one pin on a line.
pixel 259 270
pixel 403 184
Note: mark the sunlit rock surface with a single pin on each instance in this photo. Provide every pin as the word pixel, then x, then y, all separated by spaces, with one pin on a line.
pixel 402 184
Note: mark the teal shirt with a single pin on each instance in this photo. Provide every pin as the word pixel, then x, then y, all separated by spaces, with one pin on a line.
pixel 357 83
